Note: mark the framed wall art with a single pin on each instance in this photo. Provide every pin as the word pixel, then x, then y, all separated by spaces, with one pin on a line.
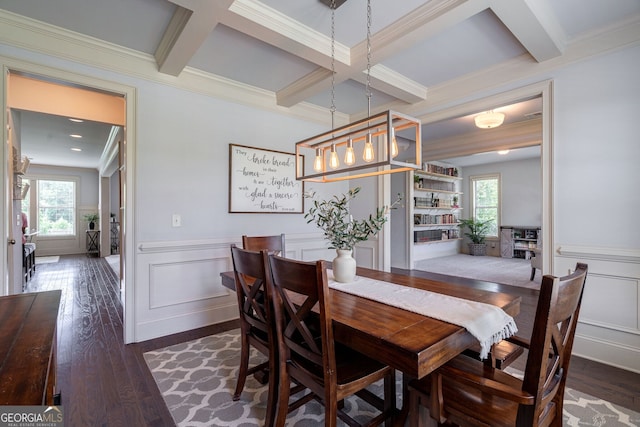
pixel 263 181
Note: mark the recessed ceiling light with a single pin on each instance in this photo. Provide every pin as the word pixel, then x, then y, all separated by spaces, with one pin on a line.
pixel 75 135
pixel 76 149
pixel 503 152
pixel 77 120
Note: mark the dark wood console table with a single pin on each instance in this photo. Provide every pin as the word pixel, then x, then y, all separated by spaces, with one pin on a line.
pixel 28 348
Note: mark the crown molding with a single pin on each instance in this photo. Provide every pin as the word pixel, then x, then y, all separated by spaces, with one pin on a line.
pixel 36 36
pixel 523 67
pixel 280 25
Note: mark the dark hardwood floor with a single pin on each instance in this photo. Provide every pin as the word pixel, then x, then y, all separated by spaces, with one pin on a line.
pixel 106 383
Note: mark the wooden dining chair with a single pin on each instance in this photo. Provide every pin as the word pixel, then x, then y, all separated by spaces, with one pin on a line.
pixel 466 392
pixel 308 353
pixel 256 323
pixel 273 244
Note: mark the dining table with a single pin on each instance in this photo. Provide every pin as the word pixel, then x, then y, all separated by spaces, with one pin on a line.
pixel 412 343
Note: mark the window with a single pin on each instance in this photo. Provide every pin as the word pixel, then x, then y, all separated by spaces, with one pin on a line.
pixel 485 199
pixel 56 207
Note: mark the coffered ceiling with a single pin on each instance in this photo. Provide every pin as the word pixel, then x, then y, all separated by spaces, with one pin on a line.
pixel 422 51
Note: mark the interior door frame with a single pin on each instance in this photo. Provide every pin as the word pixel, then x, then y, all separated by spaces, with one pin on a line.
pixel 543 89
pixel 127 218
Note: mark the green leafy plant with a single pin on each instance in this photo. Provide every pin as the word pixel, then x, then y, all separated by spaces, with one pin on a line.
pixel 340 229
pixel 477 229
pixel 92 217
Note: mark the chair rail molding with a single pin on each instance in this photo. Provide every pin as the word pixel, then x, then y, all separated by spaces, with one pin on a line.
pixel 598 252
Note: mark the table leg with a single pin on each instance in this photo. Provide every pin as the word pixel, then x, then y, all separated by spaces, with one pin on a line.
pixel 403 413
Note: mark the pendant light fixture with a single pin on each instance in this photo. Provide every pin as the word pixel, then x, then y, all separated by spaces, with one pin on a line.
pixel 367 147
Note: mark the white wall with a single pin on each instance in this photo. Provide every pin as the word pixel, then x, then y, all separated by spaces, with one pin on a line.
pixel 597 200
pixel 87 202
pixel 521 190
pixel 181 149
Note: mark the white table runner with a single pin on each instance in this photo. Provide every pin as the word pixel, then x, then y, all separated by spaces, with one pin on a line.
pixel 487 323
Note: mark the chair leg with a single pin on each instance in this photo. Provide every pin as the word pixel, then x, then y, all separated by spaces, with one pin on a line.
pixel 533 273
pixel 244 366
pixel 330 411
pixel 272 395
pixel 284 386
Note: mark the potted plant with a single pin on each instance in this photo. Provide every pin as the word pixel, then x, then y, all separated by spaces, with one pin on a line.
pixel 477 233
pixel 417 181
pixel 342 231
pixel 91 218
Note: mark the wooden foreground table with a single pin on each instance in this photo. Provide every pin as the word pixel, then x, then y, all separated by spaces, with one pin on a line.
pixel 409 342
pixel 28 348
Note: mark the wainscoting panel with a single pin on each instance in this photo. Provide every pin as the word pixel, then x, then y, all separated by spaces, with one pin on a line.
pixel 178 285
pixel 610 302
pixel 193 280
pixel 609 325
pixel 366 256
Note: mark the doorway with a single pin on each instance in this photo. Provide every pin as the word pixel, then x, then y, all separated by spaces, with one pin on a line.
pixel 66 81
pixel 451 148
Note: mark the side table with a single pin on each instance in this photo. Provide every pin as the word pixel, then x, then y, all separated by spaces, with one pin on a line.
pixel 93 242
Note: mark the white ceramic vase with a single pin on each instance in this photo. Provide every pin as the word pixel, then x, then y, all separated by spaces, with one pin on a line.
pixel 344 266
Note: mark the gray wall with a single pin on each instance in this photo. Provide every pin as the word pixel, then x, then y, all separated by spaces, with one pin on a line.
pixel 87 202
pixel 181 148
pixel 521 190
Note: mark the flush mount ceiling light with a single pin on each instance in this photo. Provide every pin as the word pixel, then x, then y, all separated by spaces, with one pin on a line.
pixel 367 147
pixel 489 120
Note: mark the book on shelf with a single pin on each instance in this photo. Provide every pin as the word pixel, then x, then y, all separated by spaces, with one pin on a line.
pixel 441 170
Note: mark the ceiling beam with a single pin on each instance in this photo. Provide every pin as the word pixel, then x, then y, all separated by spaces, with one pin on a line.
pixel 428 19
pixel 533 25
pixel 190 25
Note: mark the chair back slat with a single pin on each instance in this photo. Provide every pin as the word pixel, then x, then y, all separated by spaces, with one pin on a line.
pixel 273 244
pixel 249 270
pixel 299 287
pixel 552 341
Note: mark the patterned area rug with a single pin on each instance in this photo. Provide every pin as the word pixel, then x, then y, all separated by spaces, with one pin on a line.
pixel 197 379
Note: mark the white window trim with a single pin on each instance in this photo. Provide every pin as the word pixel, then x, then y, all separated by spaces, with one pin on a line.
pixel 472 199
pixel 33 194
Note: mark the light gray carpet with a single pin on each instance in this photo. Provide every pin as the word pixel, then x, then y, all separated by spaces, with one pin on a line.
pixel 197 379
pixel 507 271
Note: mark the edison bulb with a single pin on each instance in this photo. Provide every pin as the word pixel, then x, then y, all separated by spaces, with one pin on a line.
pixel 317 163
pixel 394 143
pixel 349 155
pixel 333 158
pixel 368 154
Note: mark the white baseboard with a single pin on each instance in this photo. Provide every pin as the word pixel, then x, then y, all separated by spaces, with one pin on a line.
pixel 608 353
pixel 184 322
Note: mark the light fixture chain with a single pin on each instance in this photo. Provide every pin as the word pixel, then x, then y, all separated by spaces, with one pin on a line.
pixel 333 62
pixel 368 57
